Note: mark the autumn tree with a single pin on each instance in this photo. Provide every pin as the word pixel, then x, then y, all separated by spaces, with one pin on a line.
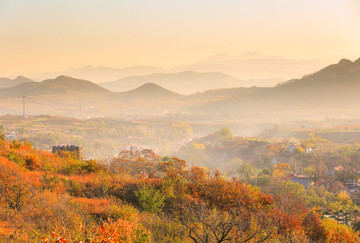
pixel 313 227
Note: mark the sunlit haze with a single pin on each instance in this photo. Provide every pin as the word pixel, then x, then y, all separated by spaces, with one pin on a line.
pixel 46 36
pixel 180 121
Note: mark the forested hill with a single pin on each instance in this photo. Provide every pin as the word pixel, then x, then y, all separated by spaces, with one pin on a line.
pixel 148 91
pixel 345 74
pixel 143 197
pixel 183 82
pixel 7 82
pixel 59 85
pixel 337 85
pixel 331 91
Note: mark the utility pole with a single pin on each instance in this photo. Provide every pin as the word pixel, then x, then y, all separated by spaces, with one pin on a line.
pixel 23 105
pixel 80 108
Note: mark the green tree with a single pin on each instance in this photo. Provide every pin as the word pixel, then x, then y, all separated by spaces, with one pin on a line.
pixel 247 170
pixel 150 199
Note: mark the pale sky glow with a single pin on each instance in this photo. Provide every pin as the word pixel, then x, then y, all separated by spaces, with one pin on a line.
pixel 48 35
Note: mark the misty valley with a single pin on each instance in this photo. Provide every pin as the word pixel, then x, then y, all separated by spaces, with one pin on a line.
pixel 82 163
pixel 179 121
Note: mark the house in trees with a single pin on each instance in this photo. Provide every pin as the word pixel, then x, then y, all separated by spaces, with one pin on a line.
pixel 335 187
pixel 322 182
pixel 338 187
pixel 10 136
pixel 292 146
pixel 335 170
pixel 301 179
pixel 351 184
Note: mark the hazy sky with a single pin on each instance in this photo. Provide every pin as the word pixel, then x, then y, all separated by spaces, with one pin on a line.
pixel 49 35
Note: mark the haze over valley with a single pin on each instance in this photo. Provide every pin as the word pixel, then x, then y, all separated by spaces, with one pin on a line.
pixel 180 121
pixel 333 89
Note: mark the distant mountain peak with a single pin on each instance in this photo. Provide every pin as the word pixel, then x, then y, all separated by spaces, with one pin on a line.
pixel 22 79
pixel 7 83
pixel 63 81
pixel 184 82
pixel 328 77
pixel 149 90
pixel 344 61
pixel 150 87
pixel 63 77
pixel 61 85
pixel 69 83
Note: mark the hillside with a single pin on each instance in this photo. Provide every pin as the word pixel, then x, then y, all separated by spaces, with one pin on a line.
pixel 183 82
pixel 144 197
pixel 60 85
pixel 99 74
pixel 343 76
pixel 148 91
pixel 252 65
pixel 336 86
pixel 7 82
pixel 330 91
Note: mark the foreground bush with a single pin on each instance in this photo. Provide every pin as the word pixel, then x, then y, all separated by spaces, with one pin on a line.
pixel 44 197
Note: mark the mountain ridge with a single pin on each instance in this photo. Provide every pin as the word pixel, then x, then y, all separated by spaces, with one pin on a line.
pixel 60 85
pixel 99 74
pixel 336 85
pixel 7 82
pixel 148 91
pixel 186 82
pixel 331 90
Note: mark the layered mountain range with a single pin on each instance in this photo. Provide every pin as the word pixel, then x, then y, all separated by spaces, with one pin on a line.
pixel 7 82
pixel 260 69
pixel 187 82
pixel 333 90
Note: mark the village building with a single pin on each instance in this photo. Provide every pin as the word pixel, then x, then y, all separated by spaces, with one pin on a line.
pixel 74 150
pixel 301 179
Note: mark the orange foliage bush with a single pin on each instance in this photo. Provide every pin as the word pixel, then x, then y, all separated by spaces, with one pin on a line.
pixel 32 161
pixel 336 232
pixel 95 206
pixel 110 231
pixel 313 227
pixel 14 193
pixel 5 163
pixel 42 193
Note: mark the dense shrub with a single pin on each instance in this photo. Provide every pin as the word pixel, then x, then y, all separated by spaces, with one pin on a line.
pixel 64 199
pixel 11 155
pixel 150 199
